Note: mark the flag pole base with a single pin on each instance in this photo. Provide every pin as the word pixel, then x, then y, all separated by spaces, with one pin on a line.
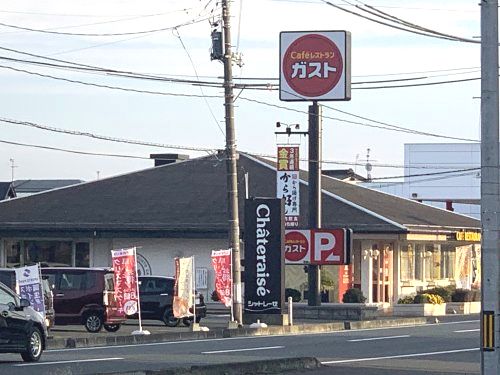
pixel 142 332
pixel 233 325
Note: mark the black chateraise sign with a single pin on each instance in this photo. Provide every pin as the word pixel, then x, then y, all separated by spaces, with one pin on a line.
pixel 264 256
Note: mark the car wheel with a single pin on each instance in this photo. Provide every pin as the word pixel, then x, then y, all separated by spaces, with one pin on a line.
pixel 93 322
pixel 34 346
pixel 111 327
pixel 169 319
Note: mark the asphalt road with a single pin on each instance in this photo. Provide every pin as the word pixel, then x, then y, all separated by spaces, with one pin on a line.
pixel 445 348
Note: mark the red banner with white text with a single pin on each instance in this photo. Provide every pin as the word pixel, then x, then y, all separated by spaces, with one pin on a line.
pixel 125 278
pixel 221 262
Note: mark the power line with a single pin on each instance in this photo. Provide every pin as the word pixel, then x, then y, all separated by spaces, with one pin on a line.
pixel 381 125
pixel 108 86
pixel 449 174
pixel 387 127
pixel 103 137
pixel 192 148
pixel 201 88
pixel 405 27
pixel 107 34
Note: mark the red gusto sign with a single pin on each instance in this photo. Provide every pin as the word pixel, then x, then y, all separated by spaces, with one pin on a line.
pixel 315 66
pixel 318 246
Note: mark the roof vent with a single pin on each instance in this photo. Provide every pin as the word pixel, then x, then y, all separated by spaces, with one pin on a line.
pixel 162 159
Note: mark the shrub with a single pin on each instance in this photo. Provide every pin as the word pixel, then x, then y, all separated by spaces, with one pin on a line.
pixel 444 292
pixel 435 299
pixel 476 295
pixel 406 300
pixel 215 296
pixel 466 295
pixel 353 295
pixel 294 293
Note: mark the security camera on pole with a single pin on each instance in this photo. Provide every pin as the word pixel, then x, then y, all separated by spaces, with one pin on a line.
pixel 315 66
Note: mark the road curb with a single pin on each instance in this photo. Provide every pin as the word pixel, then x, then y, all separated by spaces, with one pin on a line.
pixel 271 366
pixel 99 340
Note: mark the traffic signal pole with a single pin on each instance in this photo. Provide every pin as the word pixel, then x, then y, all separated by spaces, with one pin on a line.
pixel 232 181
pixel 490 192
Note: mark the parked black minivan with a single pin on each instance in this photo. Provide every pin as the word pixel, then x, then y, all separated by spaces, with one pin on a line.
pixel 22 329
pixel 156 295
pixel 8 277
pixel 85 296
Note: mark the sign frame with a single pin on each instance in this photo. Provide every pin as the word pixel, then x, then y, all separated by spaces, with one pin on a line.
pixel 311 253
pixel 264 256
pixel 341 40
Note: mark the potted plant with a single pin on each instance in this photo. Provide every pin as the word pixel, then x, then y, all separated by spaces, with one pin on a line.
pixel 424 304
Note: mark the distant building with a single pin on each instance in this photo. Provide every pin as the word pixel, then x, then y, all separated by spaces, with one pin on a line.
pixel 24 188
pixel 444 175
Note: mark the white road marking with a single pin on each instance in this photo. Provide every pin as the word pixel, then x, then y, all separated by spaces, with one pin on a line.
pixel 243 350
pixel 398 356
pixel 256 337
pixel 72 361
pixel 379 338
pixel 467 330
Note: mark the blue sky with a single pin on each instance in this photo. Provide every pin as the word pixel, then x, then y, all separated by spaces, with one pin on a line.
pixel 378 53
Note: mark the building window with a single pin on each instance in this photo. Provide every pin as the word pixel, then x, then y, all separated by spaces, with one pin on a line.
pixel 12 253
pixel 82 254
pixel 407 263
pixel 49 253
pixel 447 262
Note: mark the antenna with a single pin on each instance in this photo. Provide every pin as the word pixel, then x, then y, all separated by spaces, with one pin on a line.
pixel 356 162
pixel 12 167
pixel 368 166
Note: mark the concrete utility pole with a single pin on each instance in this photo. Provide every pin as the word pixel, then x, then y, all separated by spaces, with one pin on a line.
pixel 314 271
pixel 490 192
pixel 232 181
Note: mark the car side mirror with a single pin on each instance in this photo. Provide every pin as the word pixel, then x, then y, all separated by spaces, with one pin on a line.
pixel 24 303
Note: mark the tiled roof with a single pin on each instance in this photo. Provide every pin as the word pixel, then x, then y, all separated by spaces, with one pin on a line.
pixel 190 197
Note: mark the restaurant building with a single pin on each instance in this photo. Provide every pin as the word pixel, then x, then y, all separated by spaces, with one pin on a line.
pixel 180 209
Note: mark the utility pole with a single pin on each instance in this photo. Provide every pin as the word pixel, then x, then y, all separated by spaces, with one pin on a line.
pixel 232 181
pixel 490 192
pixel 314 271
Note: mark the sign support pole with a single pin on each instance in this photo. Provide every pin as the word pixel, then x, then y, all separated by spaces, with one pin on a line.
pixel 314 192
pixel 140 331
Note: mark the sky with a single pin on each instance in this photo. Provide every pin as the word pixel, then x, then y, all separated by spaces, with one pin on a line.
pixel 171 39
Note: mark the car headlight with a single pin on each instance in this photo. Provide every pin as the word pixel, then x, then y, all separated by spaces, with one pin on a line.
pixel 47 322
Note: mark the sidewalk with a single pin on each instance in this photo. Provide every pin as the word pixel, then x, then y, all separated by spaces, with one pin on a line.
pixel 217 321
pixel 76 336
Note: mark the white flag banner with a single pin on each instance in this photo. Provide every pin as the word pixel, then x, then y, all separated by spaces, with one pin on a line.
pixel 30 286
pixel 183 294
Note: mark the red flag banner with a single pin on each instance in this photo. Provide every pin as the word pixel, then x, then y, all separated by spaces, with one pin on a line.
pixel 183 293
pixel 221 261
pixel 125 277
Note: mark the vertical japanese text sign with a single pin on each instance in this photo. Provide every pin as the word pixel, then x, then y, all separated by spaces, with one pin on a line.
pixel 221 261
pixel 30 286
pixel 287 183
pixel 125 275
pixel 264 256
pixel 183 291
pixel 315 65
